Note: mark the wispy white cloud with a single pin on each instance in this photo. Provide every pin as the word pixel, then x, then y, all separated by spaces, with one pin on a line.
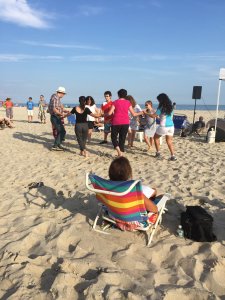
pixel 89 10
pixel 62 46
pixel 151 57
pixel 149 71
pixel 98 58
pixel 21 13
pixel 25 57
pixel 209 57
pixel 186 59
pixel 108 58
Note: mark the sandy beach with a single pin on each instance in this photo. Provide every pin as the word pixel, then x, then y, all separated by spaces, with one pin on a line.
pixel 48 249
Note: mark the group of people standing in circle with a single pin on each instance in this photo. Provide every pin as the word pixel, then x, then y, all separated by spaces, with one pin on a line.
pixel 121 118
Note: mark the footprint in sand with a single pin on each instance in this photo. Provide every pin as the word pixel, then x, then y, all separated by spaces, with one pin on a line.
pixel 215 279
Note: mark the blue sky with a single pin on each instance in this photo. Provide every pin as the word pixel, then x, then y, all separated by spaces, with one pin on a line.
pixel 145 46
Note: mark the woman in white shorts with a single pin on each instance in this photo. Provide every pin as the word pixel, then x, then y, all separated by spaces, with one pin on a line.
pixel 166 127
pixel 134 125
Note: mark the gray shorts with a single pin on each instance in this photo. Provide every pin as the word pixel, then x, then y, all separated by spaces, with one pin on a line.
pixel 107 127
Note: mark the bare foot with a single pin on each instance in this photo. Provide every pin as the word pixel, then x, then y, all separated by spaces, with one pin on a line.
pixel 120 154
pixel 86 153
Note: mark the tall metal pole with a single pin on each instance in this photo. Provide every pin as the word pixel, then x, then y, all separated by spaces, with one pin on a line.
pixel 217 104
pixel 194 113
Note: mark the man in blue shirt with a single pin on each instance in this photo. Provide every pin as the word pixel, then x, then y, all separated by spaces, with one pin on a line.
pixel 30 109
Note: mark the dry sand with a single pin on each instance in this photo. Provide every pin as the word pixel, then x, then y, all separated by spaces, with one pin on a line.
pixel 47 247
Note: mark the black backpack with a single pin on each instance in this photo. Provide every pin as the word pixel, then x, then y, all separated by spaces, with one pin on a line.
pixel 197 224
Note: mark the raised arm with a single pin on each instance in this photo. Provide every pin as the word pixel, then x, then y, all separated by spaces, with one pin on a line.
pixel 135 114
pixel 154 115
pixel 96 115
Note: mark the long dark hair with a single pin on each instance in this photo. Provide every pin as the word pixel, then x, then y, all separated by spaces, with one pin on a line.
pixel 165 104
pixel 90 98
pixel 82 102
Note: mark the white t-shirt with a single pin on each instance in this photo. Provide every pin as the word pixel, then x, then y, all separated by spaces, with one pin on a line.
pixel 92 109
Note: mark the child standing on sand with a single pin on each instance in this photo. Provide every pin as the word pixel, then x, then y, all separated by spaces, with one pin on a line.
pixel 30 109
pixel 134 124
pixel 9 108
pixel 150 127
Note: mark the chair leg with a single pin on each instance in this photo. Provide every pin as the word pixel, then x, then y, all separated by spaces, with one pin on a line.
pixel 150 237
pixel 158 221
pixel 97 217
pixel 96 220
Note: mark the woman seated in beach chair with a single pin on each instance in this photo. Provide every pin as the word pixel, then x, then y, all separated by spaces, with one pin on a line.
pixel 120 170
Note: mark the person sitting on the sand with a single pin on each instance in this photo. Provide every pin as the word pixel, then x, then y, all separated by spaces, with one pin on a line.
pixel 120 170
pixel 198 125
pixel 7 122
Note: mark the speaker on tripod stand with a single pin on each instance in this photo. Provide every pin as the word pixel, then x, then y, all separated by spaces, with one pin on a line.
pixel 196 95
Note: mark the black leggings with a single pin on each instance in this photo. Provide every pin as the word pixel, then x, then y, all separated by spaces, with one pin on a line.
pixel 81 130
pixel 122 131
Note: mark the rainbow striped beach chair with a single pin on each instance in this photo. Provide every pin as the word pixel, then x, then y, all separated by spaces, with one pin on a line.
pixel 122 204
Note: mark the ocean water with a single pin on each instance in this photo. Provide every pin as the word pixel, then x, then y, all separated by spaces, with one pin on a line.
pixel 199 107
pixel 178 106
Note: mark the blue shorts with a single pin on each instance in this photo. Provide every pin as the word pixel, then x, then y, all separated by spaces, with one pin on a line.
pixel 107 127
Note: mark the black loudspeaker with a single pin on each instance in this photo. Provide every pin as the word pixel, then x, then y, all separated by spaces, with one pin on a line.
pixel 197 91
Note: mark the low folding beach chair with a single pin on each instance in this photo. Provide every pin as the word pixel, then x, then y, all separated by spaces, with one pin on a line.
pixel 122 204
pixel 178 121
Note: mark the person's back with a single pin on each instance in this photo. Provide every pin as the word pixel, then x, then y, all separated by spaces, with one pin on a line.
pixel 121 112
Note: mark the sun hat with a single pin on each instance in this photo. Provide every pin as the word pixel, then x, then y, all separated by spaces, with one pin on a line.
pixel 61 89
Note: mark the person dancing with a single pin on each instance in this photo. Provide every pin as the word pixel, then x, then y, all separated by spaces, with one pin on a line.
pixel 120 120
pixel 150 126
pixel 90 103
pixel 134 125
pixel 81 128
pixel 166 128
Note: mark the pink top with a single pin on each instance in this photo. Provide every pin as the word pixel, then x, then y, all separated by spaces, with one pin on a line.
pixel 120 116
